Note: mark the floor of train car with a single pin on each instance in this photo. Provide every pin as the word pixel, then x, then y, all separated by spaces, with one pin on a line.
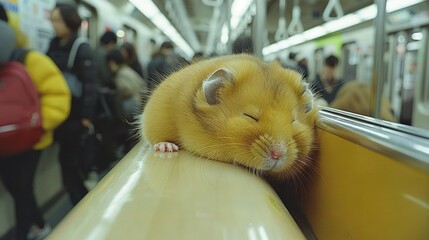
pixel 59 206
pixel 57 210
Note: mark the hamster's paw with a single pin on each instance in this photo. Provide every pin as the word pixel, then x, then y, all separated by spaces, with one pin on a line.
pixel 165 147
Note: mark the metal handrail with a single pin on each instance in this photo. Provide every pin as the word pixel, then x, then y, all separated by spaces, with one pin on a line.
pixel 397 141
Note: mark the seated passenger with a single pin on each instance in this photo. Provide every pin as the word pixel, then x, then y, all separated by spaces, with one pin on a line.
pixel 355 97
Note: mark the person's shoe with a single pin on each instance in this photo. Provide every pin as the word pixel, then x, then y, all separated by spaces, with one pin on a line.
pixel 37 233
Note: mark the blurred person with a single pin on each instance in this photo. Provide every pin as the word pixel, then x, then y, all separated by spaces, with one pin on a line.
pixel 302 67
pixel 131 96
pixel 105 122
pixel 107 42
pixel 291 61
pixel 242 44
pixel 3 14
pixel 355 97
pixel 18 171
pixel 131 58
pixel 326 85
pixel 66 22
pixel 164 62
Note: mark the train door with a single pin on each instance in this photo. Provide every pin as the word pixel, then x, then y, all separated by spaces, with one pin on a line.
pixel 351 60
pixel 420 115
pixel 88 27
pixel 405 71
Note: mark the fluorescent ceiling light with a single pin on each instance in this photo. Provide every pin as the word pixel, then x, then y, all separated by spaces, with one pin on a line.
pixel 151 11
pixel 238 9
pixel 341 23
pixel 224 38
pixel 413 46
pixel 367 13
pixel 296 39
pixel 352 19
pixel 147 7
pixel 315 32
pixel 417 36
pixel 120 33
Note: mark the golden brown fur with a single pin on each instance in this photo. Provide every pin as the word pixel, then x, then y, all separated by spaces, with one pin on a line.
pixel 178 112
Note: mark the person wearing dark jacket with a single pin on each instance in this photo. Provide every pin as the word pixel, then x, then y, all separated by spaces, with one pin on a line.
pixel 326 84
pixel 66 22
pixel 164 62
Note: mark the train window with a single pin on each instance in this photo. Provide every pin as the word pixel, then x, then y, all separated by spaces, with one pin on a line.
pixel 350 62
pixel 406 76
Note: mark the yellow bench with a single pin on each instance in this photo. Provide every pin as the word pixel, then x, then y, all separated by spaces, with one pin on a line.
pixel 182 198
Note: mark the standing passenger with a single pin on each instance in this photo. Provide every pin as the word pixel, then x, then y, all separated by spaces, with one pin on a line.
pixel 164 62
pixel 107 42
pixel 106 153
pixel 66 22
pixel 326 83
pixel 243 44
pixel 17 171
pixel 131 90
pixel 131 58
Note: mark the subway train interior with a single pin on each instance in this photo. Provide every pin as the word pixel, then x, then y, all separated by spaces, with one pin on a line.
pixel 365 175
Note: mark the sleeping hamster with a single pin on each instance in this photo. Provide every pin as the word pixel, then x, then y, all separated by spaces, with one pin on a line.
pixel 236 109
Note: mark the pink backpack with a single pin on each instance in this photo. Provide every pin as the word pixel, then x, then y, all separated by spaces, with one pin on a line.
pixel 20 114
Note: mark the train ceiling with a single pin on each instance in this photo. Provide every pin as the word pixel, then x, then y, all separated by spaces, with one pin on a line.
pixel 196 16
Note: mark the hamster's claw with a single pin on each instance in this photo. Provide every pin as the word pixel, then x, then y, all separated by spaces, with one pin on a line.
pixel 165 147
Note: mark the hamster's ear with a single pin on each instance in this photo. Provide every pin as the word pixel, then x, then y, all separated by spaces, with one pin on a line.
pixel 214 83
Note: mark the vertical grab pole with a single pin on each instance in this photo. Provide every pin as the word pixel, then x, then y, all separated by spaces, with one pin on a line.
pixel 258 30
pixel 378 72
pixel 228 21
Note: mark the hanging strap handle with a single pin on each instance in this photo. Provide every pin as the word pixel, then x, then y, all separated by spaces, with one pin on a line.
pixel 73 52
pixel 333 5
pixel 295 26
pixel 281 32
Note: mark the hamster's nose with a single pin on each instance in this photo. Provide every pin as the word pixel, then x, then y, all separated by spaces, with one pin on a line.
pixel 276 154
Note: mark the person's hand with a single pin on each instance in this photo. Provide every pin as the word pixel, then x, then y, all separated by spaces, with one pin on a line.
pixel 86 122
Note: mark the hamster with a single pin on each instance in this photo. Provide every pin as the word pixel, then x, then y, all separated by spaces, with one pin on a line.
pixel 236 109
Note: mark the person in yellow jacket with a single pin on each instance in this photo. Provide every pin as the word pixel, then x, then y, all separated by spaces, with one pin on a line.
pixel 18 171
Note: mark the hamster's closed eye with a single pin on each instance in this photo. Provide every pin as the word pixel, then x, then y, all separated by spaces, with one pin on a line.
pixel 253 117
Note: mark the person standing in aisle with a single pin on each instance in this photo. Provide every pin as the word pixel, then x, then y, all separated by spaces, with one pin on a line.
pixel 66 22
